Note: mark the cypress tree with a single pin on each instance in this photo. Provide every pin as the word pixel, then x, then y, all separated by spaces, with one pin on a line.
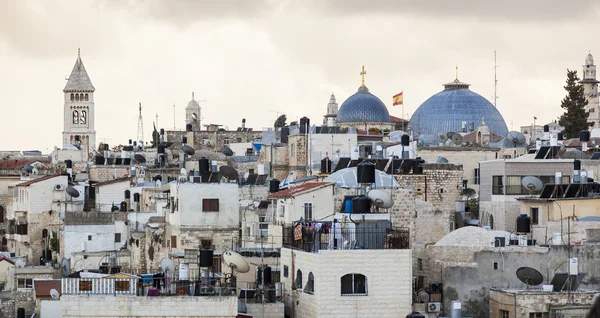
pixel 575 117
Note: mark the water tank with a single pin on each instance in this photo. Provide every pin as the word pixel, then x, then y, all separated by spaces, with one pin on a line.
pixel 162 131
pixel 560 136
pixel 206 258
pixel 69 164
pixel 204 165
pixel 418 165
pixel 348 206
pixel 325 165
pixel 267 273
pixel 576 164
pixel 157 177
pixel 285 132
pixel 184 140
pixel 304 125
pixel 99 160
pixel 105 147
pixel 523 224
pixel 365 172
pixel 259 275
pixel 161 149
pixel 188 127
pixel 127 194
pixel 361 204
pixel 405 140
pixel 546 128
pixel 584 135
pixel 123 206
pixel 21 313
pixel 273 185
pixel 184 272
pixel 136 197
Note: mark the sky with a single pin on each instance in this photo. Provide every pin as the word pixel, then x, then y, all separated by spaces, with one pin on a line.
pixel 256 59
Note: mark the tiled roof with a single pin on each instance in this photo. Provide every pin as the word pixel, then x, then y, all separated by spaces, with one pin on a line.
pixel 6 259
pixel 303 188
pixel 17 163
pixel 79 79
pixel 121 179
pixel 30 182
pixel 43 287
pixel 395 119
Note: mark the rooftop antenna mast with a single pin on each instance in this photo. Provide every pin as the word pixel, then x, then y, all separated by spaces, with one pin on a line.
pixel 140 130
pixel 495 80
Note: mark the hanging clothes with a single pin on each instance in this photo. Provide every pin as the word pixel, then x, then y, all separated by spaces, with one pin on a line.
pixel 298 233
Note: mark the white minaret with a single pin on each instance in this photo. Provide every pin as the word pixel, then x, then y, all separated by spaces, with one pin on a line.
pixel 193 114
pixel 332 110
pixel 79 110
pixel 590 86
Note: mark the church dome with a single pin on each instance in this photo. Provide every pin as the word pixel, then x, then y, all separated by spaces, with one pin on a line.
pixel 363 107
pixel 456 109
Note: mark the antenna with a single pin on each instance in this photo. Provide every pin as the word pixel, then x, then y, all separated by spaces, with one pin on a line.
pixel 140 130
pixel 173 116
pixel 495 80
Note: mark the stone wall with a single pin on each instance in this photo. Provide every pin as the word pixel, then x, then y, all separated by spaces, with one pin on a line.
pixel 107 173
pixel 269 310
pixel 528 303
pixel 280 161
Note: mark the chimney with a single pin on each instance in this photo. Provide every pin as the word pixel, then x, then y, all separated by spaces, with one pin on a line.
pixel 243 123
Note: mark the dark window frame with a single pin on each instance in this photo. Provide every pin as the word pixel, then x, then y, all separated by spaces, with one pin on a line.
pixel 354 284
pixel 210 205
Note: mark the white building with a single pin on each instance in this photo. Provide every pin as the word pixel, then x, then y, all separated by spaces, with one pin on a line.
pixel 111 193
pixel 309 201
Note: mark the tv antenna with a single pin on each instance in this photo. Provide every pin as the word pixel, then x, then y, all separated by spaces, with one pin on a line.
pixel 495 80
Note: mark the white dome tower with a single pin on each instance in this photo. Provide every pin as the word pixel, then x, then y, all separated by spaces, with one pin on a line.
pixel 590 86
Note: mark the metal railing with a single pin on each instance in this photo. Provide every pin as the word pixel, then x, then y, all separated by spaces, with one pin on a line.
pixel 345 239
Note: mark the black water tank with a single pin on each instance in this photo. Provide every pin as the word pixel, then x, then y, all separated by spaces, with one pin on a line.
pixel 162 131
pixel 523 224
pixel 560 136
pixel 188 127
pixel 365 172
pixel 127 194
pixel 584 135
pixel 161 149
pixel 130 141
pixel 418 166
pixel 99 160
pixel 361 204
pixel 273 185
pixel 69 163
pixel 21 313
pixel 206 258
pixel 157 177
pixel 136 197
pixel 405 140
pixel 184 140
pixel 285 132
pixel 204 165
pixel 267 273
pixel 118 161
pixel 576 164
pixel 134 143
pixel 325 165
pixel 259 275
pixel 546 128
pixel 105 147
pixel 415 314
pixel 114 208
pixel 123 207
pixel 304 122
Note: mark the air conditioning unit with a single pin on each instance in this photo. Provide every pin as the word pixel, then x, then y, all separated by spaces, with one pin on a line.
pixel 59 187
pixel 434 307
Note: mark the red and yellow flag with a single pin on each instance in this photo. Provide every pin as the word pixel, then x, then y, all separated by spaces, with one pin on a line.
pixel 398 98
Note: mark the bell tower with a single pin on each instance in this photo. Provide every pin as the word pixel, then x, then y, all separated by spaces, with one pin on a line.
pixel 590 87
pixel 79 110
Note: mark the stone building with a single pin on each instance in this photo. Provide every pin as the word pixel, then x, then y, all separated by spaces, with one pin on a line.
pixel 521 303
pixel 590 87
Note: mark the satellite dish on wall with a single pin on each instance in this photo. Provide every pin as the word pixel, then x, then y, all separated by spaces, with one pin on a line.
pixel 529 276
pixel 73 192
pixel 236 262
pixel 167 265
pixel 532 183
pixel 188 150
pixel 381 198
pixel 226 151
pixel 54 294
pixel 65 264
pixel 20 263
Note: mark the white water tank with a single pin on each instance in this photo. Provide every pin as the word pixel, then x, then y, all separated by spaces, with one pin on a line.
pixel 261 169
pixel 184 273
pixel 522 240
pixel 556 239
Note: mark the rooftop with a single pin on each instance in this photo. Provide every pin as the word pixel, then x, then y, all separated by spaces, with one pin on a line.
pixel 40 179
pixel 299 189
pixel 121 179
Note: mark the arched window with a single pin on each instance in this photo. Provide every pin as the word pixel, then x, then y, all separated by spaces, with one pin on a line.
pixel 72 97
pixel 44 233
pixel 310 284
pixel 75 117
pixel 76 97
pixel 354 285
pixel 83 118
pixel 87 97
pixel 298 279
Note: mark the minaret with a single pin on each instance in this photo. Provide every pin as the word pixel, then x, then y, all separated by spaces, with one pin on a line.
pixel 590 87
pixel 193 114
pixel 332 110
pixel 140 130
pixel 79 110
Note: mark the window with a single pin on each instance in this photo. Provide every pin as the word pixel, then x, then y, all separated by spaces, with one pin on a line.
pixel 87 97
pixel 217 261
pixel 354 285
pixel 497 185
pixel 226 141
pixel 495 266
pixel 72 97
pixel 174 241
pixel 21 229
pixel 514 186
pixel 310 284
pixel 89 237
pixel 76 97
pixel 117 237
pixel 250 171
pixel 420 264
pixel 540 315
pixel 292 150
pixel 75 117
pixel 504 314
pixel 210 205
pixel 285 271
pixel 534 213
pixel 25 283
pixel 308 211
pixel 122 285
pixel 298 279
pixel 83 118
pixel 85 285
pixel 238 139
pixel 206 243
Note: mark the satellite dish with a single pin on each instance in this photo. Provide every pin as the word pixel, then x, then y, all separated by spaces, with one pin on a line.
pixel 442 137
pixel 228 172
pixel 66 266
pixel 381 198
pixel 246 175
pixel 532 183
pixel 188 150
pixel 227 151
pixel 34 171
pixel 54 294
pixel 457 139
pixel 236 262
pixel 28 168
pixel 450 134
pixel 441 159
pixel 73 192
pixel 20 263
pixel 183 172
pixel 139 158
pixel 515 139
pixel 530 276
pixel 167 265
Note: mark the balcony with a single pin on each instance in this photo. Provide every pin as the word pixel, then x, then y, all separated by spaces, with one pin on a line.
pixel 310 240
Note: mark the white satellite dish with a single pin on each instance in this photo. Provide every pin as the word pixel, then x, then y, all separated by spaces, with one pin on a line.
pixel 381 198
pixel 20 263
pixel 167 265
pixel 236 262
pixel 54 294
pixel 183 172
pixel 532 183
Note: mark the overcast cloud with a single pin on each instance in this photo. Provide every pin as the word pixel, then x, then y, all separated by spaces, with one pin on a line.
pixel 251 59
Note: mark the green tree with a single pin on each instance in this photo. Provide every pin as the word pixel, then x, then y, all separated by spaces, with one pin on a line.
pixel 575 117
pixel 280 122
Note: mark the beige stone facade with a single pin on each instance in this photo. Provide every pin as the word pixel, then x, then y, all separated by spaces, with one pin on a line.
pixel 535 303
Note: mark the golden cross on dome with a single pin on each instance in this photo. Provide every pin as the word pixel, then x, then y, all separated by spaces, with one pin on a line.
pixel 363 73
pixel 456 80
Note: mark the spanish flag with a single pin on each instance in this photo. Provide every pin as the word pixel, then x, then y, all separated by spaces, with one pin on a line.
pixel 398 99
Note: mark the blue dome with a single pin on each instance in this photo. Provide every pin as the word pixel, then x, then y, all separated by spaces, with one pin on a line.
pixel 457 109
pixel 363 107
